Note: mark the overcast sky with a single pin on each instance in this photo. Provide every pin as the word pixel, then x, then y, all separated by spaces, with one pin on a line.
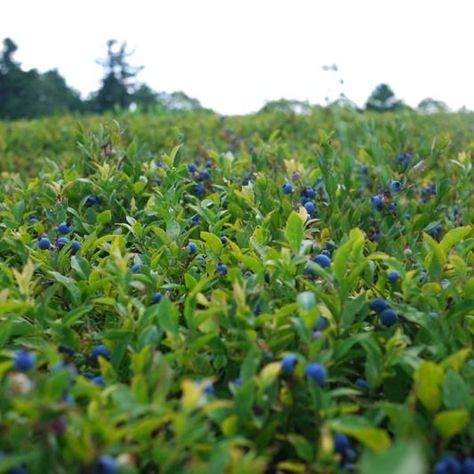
pixel 233 55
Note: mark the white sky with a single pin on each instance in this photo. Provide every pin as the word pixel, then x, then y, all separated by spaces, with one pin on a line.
pixel 233 55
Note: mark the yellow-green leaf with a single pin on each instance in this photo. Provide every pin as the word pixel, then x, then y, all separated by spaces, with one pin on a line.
pixel 450 423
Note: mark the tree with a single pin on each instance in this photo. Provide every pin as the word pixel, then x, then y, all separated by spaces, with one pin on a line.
pixel 118 86
pixel 383 99
pixel 430 106
pixel 29 94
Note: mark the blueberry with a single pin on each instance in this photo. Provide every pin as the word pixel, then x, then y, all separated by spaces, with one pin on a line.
pixel 393 276
pixel 24 360
pixel 199 189
pixel 287 188
pixel 365 169
pixel 448 465
pixel 191 248
pixel 209 389
pixel 310 193
pixel 107 465
pixel 392 206
pixel 323 260
pixel 64 228
pixel 136 267
pixel 376 236
pixel 100 351
pixel 195 219
pixel 92 200
pixel 377 201
pixel 222 268
pixel 223 240
pixel 288 364
pixel 61 242
pixel 341 443
pixel 17 470
pixel 33 220
pixel 75 246
pixel 209 164
pixel 192 168
pixel 156 298
pixel 362 384
pixel 378 305
pixel 44 243
pixel 321 324
pixel 388 317
pixel 316 372
pixel 98 380
pixel 310 208
pixel 205 174
pixel 395 186
pixel 468 466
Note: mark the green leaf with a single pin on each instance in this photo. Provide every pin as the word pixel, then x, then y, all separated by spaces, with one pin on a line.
pixel 375 439
pixel 104 217
pixel 213 242
pixel 402 458
pixel 453 237
pixel 173 229
pixel 428 378
pixel 294 231
pixel 303 447
pixel 355 242
pixel 455 391
pixel 168 317
pixel 450 423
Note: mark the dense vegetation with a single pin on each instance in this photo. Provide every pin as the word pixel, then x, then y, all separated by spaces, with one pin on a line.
pixel 274 293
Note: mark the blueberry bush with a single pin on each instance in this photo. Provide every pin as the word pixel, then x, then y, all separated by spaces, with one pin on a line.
pixel 275 293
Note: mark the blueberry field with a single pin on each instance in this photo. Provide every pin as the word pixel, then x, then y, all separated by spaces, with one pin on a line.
pixel 274 293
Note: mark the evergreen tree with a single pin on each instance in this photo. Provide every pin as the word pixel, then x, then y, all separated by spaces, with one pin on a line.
pixel 383 99
pixel 118 86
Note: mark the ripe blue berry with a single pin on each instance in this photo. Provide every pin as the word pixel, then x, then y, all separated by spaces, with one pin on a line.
pixel 377 201
pixel 323 260
pixel 92 200
pixel 199 189
pixel 288 364
pixel 192 248
pixel 321 324
pixel 388 317
pixel 395 186
pixel 378 305
pixel 192 168
pixel 310 193
pixel 98 380
pixel 362 384
pixel 222 268
pixel 64 228
pixel 156 298
pixel 310 208
pixel 209 389
pixel 341 443
pixel 393 276
pixel 75 246
pixel 448 465
pixel 316 372
pixel 223 240
pixel 107 465
pixel 195 219
pixel 44 243
pixel 468 466
pixel 61 242
pixel 287 188
pixel 136 267
pixel 24 360
pixel 100 351
pixel 205 174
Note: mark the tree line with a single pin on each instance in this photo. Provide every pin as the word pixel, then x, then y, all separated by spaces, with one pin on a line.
pixel 31 94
